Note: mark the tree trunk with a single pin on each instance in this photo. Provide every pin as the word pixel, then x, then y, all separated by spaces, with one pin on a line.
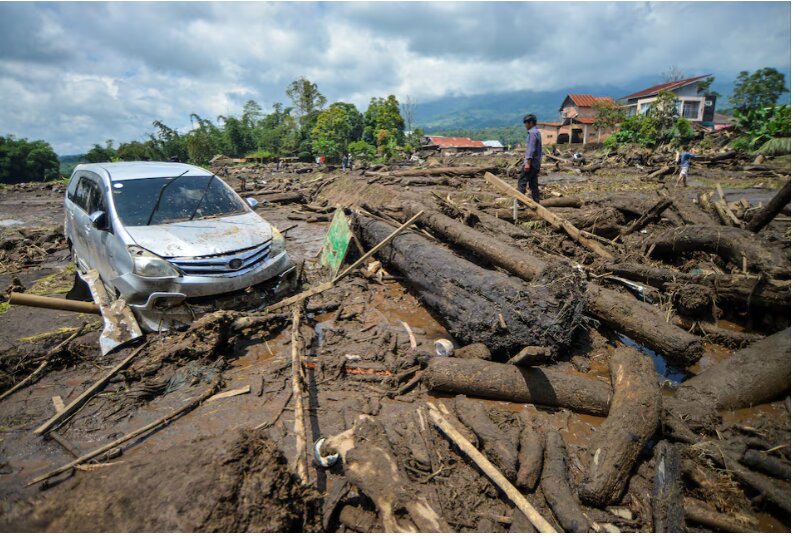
pixel 771 209
pixel 643 323
pixel 496 445
pixel 701 514
pixel 530 454
pixel 562 202
pixel 602 221
pixel 503 382
pixel 667 499
pixel 508 257
pixel 460 171
pixel 745 292
pixel 738 246
pixel 283 197
pixel 557 489
pixel 479 305
pixel 652 215
pixel 634 414
pixel 756 374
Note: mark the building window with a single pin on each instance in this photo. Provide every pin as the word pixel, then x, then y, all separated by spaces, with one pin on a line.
pixel 691 109
pixel 631 110
pixel 644 107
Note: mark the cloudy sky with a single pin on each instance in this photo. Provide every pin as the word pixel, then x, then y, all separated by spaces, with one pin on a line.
pixel 79 73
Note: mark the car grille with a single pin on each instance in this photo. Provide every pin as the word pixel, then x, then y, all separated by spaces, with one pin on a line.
pixel 226 264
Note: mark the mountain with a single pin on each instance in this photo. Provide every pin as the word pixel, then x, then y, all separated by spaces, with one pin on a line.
pixel 506 109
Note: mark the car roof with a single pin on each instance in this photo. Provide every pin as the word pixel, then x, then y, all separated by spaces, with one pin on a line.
pixel 121 171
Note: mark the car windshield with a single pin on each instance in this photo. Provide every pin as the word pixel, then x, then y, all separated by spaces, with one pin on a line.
pixel 185 198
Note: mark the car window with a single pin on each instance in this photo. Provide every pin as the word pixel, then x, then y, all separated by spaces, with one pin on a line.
pixel 72 188
pixel 180 199
pixel 95 199
pixel 81 194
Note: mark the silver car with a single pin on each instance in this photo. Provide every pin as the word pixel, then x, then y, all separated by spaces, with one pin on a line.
pixel 161 232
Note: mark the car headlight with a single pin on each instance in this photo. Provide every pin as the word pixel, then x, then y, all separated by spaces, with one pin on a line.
pixel 149 265
pixel 278 242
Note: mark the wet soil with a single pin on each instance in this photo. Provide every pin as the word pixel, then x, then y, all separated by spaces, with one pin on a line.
pixel 213 470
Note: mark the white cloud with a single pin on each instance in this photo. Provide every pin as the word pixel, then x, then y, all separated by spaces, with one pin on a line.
pixel 79 73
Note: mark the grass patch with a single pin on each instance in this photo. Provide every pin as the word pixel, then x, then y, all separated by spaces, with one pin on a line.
pixel 59 331
pixel 4 307
pixel 58 283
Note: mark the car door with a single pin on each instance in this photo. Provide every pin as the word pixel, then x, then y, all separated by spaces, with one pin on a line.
pixel 79 223
pixel 100 245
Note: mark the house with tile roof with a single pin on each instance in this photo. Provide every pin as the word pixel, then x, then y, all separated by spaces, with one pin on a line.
pixel 577 121
pixel 693 103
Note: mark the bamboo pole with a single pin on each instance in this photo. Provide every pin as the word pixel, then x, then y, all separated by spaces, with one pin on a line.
pixel 491 471
pixel 301 465
pixel 129 436
pixel 553 219
pixel 77 402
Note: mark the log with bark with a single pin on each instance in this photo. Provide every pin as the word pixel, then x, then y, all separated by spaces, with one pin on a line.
pixel 530 454
pixel 736 290
pixel 556 486
pixel 757 374
pixel 738 246
pixel 667 499
pixel 701 514
pixel 651 216
pixel 602 221
pixel 506 256
pixel 767 463
pixel 503 382
pixel 459 171
pixel 643 323
pixel 634 414
pixel 564 201
pixel 479 305
pixel 500 448
pixel 688 210
pixel 661 172
pixel 770 210
pixel 283 197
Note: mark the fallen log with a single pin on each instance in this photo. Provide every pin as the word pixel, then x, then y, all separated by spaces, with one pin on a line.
pixel 634 415
pixel 769 464
pixel 478 305
pixel 661 172
pixel 747 292
pixel 498 447
pixel 738 246
pixel 576 203
pixel 530 454
pixel 490 470
pixel 652 215
pixel 556 488
pixel 714 158
pixel 602 221
pixel 770 210
pixel 299 426
pixel 283 197
pixel 667 499
pixel 688 210
pixel 459 171
pixel 503 382
pixel 757 374
pixel 548 216
pixel 643 323
pixel 701 514
pixel 506 256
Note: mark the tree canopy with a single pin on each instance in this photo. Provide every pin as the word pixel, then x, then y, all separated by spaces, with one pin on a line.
pixel 758 90
pixel 22 160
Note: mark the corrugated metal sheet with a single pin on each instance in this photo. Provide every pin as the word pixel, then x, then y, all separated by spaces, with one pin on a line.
pixel 588 100
pixel 653 90
pixel 492 143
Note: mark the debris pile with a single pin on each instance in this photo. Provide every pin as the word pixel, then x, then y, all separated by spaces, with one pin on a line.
pixel 615 358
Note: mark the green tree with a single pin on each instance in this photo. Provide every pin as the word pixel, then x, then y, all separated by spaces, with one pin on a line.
pixel 336 127
pixel 608 115
pixel 306 97
pixel 361 150
pixel 134 151
pixel 167 143
pixel 101 154
pixel 384 126
pixel 21 160
pixel 758 90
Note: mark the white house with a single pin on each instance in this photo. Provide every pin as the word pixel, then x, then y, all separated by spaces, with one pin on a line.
pixel 693 104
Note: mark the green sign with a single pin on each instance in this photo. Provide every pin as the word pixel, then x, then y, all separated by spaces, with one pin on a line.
pixel 335 244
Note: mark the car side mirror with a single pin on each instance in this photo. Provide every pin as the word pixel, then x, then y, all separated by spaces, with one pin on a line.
pixel 251 202
pixel 99 219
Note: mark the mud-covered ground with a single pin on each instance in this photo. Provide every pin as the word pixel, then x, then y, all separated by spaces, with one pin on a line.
pixel 229 464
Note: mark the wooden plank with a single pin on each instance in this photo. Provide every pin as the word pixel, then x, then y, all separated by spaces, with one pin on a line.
pixel 548 216
pixel 230 393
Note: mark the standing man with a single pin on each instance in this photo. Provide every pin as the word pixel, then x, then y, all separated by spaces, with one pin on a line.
pixel 344 163
pixel 684 161
pixel 532 158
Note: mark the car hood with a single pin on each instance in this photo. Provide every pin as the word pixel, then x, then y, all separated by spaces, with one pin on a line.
pixel 203 237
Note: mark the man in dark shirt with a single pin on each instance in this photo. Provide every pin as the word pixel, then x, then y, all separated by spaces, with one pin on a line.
pixel 532 158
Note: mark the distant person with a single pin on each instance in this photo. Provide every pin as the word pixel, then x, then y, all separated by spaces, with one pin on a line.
pixel 322 159
pixel 278 164
pixel 344 163
pixel 683 160
pixel 225 170
pixel 350 161
pixel 532 157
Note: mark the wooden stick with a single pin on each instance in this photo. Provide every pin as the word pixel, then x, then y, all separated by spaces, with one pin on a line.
pixel 301 465
pixel 129 436
pixel 377 247
pixel 490 470
pixel 51 352
pixel 548 216
pixel 75 405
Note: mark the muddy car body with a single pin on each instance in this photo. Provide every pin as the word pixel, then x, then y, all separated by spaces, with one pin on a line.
pixel 159 233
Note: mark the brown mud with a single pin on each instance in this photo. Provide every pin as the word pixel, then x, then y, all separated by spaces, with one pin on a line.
pixel 229 464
